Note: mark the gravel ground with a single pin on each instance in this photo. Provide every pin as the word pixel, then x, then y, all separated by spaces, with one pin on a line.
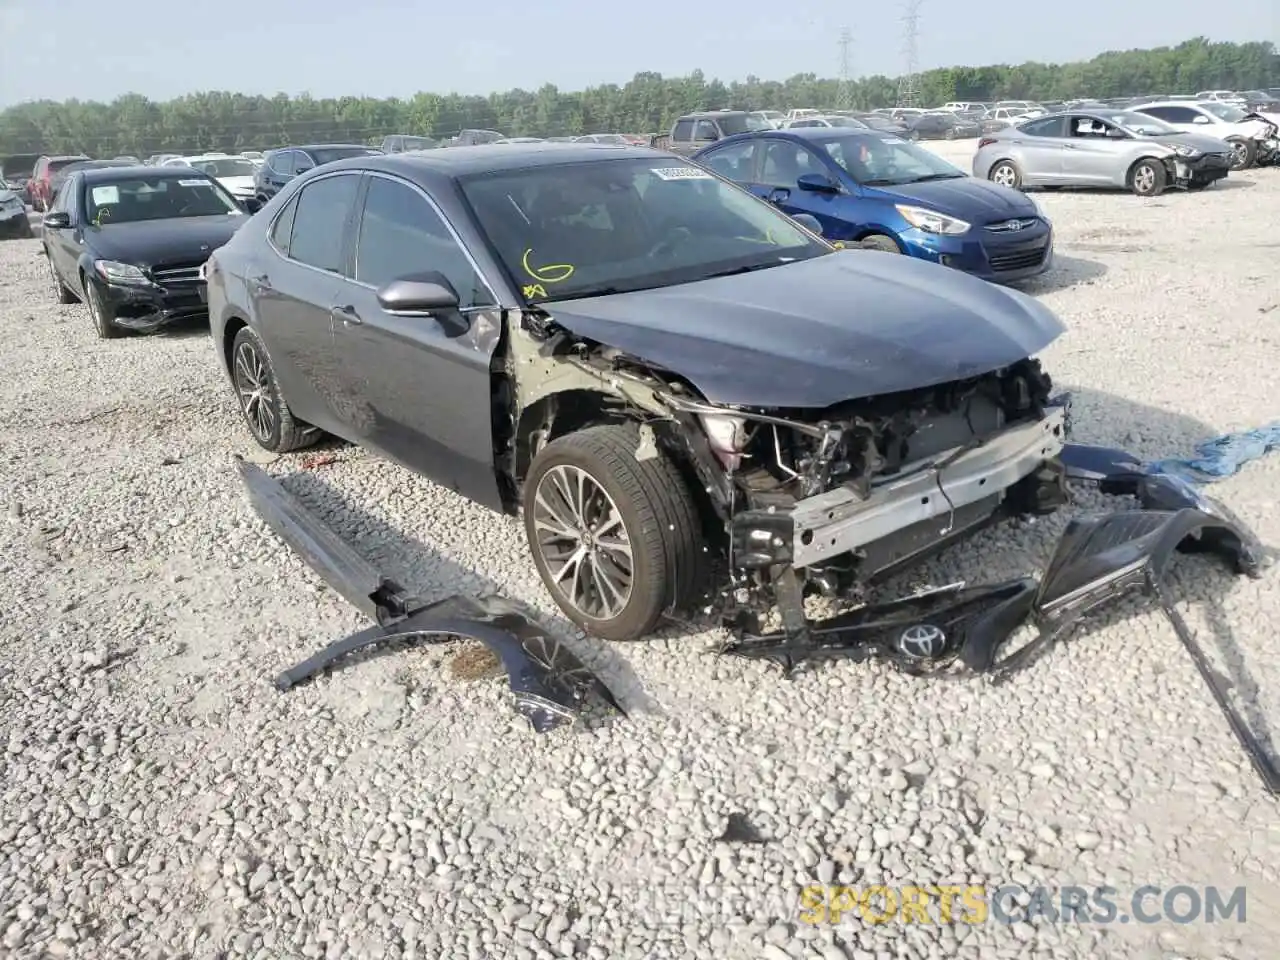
pixel 159 798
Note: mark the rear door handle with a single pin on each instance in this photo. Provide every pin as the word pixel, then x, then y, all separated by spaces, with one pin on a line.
pixel 261 284
pixel 347 314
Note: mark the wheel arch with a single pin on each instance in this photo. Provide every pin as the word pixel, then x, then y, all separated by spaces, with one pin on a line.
pixel 877 230
pixel 232 324
pixel 1166 162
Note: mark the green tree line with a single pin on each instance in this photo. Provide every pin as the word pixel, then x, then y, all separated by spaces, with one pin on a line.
pixel 217 120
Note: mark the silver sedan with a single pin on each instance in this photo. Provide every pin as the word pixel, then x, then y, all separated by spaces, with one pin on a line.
pixel 1116 148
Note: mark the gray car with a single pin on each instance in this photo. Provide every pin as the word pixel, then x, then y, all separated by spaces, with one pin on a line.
pixel 1112 148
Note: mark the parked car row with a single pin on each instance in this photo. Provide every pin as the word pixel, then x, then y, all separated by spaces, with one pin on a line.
pixel 1135 150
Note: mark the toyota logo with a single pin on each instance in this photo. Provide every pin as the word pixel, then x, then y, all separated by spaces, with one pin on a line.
pixel 923 641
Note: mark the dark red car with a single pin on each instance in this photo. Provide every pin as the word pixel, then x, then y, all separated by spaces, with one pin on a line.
pixel 40 187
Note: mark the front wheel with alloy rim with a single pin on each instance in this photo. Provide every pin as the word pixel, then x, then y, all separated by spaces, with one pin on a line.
pixel 1007 174
pixel 1148 178
pixel 265 412
pixel 617 540
pixel 1243 153
pixel 103 317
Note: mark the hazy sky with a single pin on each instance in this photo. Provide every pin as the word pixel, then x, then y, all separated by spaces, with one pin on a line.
pixel 92 49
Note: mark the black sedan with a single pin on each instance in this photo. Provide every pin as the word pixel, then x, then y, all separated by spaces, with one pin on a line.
pixel 644 360
pixel 58 179
pixel 131 243
pixel 942 126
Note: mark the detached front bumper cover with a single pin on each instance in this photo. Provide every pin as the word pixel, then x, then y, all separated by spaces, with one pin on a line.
pixel 967 629
pixel 549 683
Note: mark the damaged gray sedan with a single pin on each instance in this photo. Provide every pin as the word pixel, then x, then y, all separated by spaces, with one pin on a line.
pixel 683 392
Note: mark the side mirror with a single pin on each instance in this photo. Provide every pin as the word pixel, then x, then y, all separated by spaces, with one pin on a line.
pixel 1115 133
pixel 251 204
pixel 57 221
pixel 418 296
pixel 1201 118
pixel 817 183
pixel 808 221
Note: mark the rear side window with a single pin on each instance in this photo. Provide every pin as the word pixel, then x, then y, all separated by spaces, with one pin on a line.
pixel 683 130
pixel 1048 127
pixel 319 221
pixel 283 227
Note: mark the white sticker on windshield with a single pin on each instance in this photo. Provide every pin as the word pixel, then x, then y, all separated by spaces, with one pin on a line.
pixel 680 173
pixel 193 183
pixel 102 196
pixel 891 140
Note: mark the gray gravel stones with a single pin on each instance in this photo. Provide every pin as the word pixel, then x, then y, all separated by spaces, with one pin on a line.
pixel 159 798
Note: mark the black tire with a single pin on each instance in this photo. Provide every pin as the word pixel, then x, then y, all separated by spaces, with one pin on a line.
pixel 915 135
pixel 659 517
pixel 1148 178
pixel 951 133
pixel 878 241
pixel 252 373
pixel 103 316
pixel 61 292
pixel 1006 173
pixel 1244 153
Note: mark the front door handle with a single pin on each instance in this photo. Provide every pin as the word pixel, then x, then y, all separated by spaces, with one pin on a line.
pixel 260 284
pixel 1068 146
pixel 347 314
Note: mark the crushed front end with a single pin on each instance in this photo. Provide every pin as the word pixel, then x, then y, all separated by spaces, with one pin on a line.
pixel 833 502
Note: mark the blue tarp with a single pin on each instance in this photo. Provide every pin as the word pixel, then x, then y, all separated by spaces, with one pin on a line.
pixel 1222 456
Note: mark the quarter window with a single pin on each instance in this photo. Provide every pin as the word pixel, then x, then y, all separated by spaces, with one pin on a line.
pixel 283 227
pixel 319 222
pixel 401 236
pixel 683 131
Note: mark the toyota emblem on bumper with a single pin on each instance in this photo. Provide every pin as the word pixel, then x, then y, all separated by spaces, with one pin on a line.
pixel 922 642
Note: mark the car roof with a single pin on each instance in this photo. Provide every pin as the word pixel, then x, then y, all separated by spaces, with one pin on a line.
pixel 327 146
pixel 96 174
pixel 819 134
pixel 492 157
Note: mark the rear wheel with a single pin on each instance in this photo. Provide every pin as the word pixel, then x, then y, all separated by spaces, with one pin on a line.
pixel 1243 153
pixel 61 292
pixel 265 412
pixel 617 541
pixel 1007 174
pixel 1148 178
pixel 878 241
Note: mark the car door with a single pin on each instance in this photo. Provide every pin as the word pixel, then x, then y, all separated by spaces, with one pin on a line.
pixel 1089 156
pixel 64 246
pixel 1039 146
pixel 419 387
pixel 294 287
pixel 782 163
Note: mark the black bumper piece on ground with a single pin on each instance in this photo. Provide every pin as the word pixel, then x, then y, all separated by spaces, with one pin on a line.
pixel 549 683
pixel 969 630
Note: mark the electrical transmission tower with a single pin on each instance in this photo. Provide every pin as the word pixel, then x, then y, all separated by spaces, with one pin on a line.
pixel 846 70
pixel 909 82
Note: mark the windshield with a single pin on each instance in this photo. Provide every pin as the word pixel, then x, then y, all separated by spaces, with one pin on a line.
pixel 1225 112
pixel 1139 123
pixel 885 161
pixel 846 122
pixel 132 199
pixel 732 123
pixel 323 155
pixel 224 166
pixel 584 229
pixel 62 162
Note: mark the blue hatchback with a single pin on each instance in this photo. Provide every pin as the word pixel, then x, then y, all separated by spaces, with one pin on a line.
pixel 873 189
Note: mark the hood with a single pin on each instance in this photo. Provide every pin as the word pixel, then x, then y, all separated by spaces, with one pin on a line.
pixel 237 184
pixel 843 326
pixel 150 242
pixel 1199 141
pixel 971 199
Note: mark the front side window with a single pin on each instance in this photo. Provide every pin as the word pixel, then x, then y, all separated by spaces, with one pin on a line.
pixel 597 227
pixel 705 130
pixel 785 161
pixel 134 199
pixel 402 236
pixel 319 223
pixel 887 160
